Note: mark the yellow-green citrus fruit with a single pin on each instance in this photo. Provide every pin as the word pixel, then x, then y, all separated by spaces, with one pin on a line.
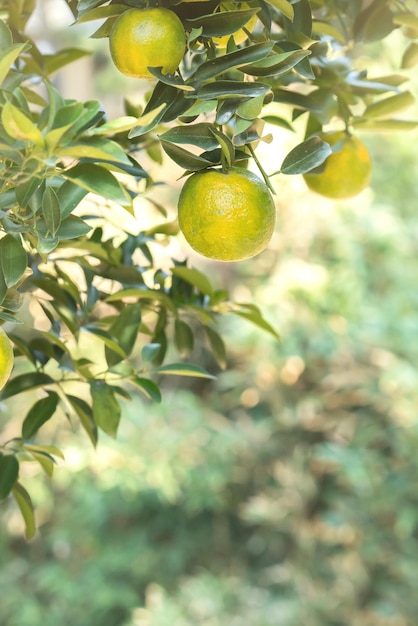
pixel 226 216
pixel 240 36
pixel 142 38
pixel 6 358
pixel 346 172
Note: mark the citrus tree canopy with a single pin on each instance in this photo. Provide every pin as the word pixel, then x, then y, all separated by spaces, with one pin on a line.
pixel 216 73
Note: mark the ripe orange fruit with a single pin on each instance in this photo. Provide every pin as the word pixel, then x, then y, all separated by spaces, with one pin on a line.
pixel 226 216
pixel 240 36
pixel 346 172
pixel 142 38
pixel 6 358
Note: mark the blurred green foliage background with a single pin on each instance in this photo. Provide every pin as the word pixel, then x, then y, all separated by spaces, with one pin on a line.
pixel 285 492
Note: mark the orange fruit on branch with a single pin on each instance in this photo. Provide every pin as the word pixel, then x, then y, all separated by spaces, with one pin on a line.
pixel 143 38
pixel 226 216
pixel 346 172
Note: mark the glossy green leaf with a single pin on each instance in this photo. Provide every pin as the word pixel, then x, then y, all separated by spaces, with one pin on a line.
pixel 276 64
pixel 143 294
pixel 106 409
pixel 99 13
pixel 25 382
pixel 194 277
pixel 13 259
pixel 302 19
pixel 184 369
pixel 38 414
pixel 222 23
pixel 25 505
pixel 97 180
pixel 199 135
pixel 148 388
pixel 183 337
pixel 184 158
pixel 284 6
pixel 125 331
pixel 9 472
pixel 85 414
pixel 307 155
pixel 69 196
pixel 239 58
pixel 227 147
pixel 51 210
pixel 217 346
pixel 223 89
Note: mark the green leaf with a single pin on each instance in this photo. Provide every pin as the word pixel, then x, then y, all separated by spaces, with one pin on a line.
pixel 223 89
pixel 6 37
pixel 98 180
pixel 13 259
pixel 54 62
pixel 184 369
pixel 9 472
pixel 9 56
pixel 222 23
pixel 217 346
pixel 302 19
pixel 106 409
pixel 106 338
pixel 410 56
pixel 237 59
pixel 252 313
pixel 38 414
pixel 276 64
pixel 125 331
pixel 25 505
pixel 85 415
pixel 143 294
pixel 51 210
pixel 69 197
pixel 307 155
pixel 99 13
pixel 185 159
pixel 194 277
pixel 20 126
pixel 70 228
pixel 284 6
pixel 199 135
pixel 44 449
pixel 389 106
pixel 25 382
pixel 150 351
pixel 389 125
pixel 183 337
pixel 226 144
pixel 148 388
pixel 95 148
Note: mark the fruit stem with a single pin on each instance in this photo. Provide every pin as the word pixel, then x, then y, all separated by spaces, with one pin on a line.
pixel 262 171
